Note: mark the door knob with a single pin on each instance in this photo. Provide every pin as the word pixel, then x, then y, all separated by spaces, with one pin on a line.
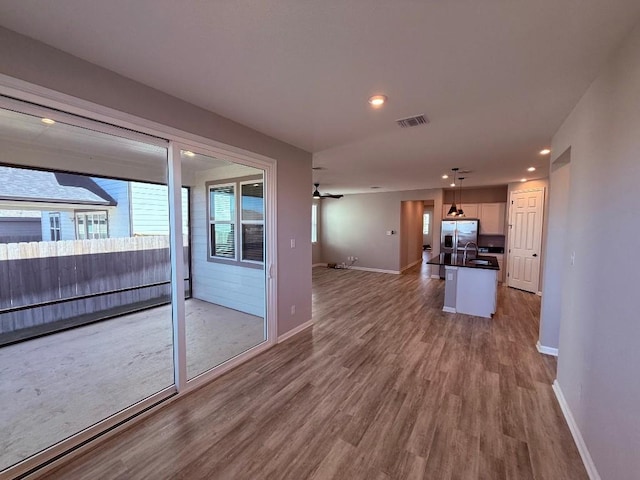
pixel 535 254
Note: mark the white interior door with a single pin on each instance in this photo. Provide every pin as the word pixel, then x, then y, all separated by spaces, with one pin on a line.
pixel 525 239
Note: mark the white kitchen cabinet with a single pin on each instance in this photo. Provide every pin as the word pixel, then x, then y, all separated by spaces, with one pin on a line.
pixel 491 217
pixel 470 210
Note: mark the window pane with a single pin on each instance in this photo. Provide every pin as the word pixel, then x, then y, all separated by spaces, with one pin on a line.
pixel 222 240
pixel 222 206
pixel 252 201
pixel 252 242
pixel 425 224
pixel 314 223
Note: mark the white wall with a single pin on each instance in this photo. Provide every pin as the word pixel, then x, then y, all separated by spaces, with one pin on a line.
pixel 555 253
pixel 598 365
pixel 357 224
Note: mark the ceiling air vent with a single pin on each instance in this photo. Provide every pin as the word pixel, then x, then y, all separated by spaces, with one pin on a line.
pixel 412 121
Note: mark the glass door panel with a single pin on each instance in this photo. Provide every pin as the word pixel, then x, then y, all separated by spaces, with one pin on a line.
pixel 85 314
pixel 225 314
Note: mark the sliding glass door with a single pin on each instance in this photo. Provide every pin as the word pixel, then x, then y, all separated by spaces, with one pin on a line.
pixel 130 268
pixel 225 315
pixel 85 270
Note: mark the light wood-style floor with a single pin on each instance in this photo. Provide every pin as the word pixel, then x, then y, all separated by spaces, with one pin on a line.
pixel 385 386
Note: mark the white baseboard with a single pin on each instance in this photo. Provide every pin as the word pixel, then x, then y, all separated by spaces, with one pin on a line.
pixel 547 350
pixel 295 331
pixel 318 265
pixel 411 265
pixel 436 276
pixel 449 309
pixel 376 270
pixel 539 294
pixel 575 431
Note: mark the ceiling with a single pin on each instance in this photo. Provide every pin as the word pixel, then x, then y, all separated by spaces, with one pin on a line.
pixel 496 78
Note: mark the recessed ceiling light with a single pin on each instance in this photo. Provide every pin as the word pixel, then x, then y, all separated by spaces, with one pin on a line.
pixel 188 153
pixel 452 184
pixel 523 180
pixel 445 176
pixel 377 100
pixel 531 169
pixel 545 151
pixel 48 121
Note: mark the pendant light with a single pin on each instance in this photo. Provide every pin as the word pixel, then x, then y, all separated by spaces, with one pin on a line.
pixel 460 211
pixel 453 211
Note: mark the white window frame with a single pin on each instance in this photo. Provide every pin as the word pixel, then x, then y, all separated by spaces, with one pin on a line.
pixel 233 221
pixel 55 231
pixel 86 214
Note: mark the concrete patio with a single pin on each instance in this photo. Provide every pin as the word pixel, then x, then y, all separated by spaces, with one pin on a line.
pixel 54 386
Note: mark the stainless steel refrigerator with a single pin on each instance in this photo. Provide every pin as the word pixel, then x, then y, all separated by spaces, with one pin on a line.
pixel 455 234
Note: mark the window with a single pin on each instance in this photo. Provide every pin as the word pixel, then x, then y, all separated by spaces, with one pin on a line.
pixel 54 226
pixel 425 223
pixel 91 225
pixel 314 223
pixel 252 219
pixel 222 220
pixel 237 221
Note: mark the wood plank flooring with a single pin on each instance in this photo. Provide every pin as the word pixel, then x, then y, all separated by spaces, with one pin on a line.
pixel 385 386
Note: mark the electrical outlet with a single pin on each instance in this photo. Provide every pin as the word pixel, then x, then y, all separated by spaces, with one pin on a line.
pixel 293 243
pixel 573 258
pixel 293 309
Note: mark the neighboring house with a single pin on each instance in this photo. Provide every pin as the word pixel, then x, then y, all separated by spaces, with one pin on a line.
pixel 58 196
pixel 20 226
pixel 51 206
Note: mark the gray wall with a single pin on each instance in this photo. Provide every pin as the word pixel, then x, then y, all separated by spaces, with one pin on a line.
pixel 555 255
pixel 356 225
pixel 600 326
pixel 34 62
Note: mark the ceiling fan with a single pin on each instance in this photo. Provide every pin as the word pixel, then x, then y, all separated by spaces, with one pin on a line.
pixel 316 193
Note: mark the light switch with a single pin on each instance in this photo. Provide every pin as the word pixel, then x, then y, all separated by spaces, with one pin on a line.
pixel 293 243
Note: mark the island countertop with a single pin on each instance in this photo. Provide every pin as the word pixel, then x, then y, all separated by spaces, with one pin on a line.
pixel 473 261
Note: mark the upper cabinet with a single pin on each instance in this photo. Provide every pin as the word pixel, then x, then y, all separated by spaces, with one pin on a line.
pixel 491 217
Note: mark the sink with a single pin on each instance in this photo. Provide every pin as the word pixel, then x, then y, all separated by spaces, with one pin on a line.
pixel 479 261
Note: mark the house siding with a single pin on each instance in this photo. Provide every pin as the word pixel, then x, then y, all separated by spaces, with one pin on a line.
pixel 119 218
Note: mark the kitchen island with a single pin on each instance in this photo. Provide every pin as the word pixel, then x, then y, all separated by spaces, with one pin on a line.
pixel 471 283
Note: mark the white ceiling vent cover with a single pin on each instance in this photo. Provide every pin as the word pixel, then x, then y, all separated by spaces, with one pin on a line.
pixel 412 121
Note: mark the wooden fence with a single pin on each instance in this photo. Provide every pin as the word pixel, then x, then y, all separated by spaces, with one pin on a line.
pixel 48 286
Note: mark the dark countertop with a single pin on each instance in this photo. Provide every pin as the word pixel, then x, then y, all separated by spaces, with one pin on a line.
pixel 455 260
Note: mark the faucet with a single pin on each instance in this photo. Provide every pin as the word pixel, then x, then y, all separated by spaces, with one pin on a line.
pixel 464 256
